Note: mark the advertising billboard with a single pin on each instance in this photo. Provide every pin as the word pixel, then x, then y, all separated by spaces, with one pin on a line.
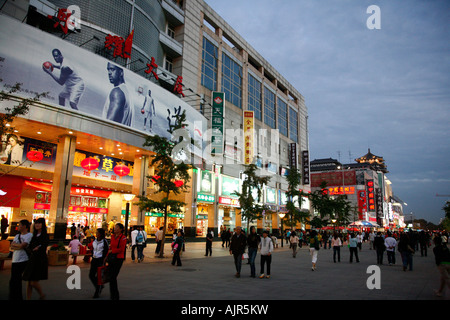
pixel 86 83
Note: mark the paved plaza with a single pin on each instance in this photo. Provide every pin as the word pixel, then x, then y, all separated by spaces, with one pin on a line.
pixel 212 278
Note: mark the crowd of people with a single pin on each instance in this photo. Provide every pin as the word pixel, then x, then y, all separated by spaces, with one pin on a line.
pixel 30 261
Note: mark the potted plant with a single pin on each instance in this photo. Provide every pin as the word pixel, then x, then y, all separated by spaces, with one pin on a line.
pixel 58 255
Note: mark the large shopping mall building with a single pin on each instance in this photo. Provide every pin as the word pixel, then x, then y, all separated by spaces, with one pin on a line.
pixel 117 71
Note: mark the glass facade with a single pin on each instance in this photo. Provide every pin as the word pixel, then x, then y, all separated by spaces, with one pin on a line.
pixel 232 80
pixel 209 65
pixel 269 108
pixel 293 125
pixel 282 117
pixel 254 96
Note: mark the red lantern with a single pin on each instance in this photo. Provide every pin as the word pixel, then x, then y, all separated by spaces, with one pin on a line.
pixel 89 164
pixel 35 156
pixel 179 183
pixel 121 170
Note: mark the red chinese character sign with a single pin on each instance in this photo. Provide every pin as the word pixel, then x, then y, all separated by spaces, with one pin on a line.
pixel 152 67
pixel 178 88
pixel 68 19
pixel 120 46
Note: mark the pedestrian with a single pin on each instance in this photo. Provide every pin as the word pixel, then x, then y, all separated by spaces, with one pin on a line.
pixel 73 230
pixel 116 257
pixel 300 239
pixel 442 258
pixel 158 238
pixel 238 244
pixel 223 235
pixel 4 224
pixel 19 259
pixel 405 247
pixel 314 247
pixel 371 239
pixel 228 238
pixel 423 242
pixel 294 243
pixel 209 241
pixel 133 242
pixel 37 267
pixel 353 246
pixel 390 244
pixel 378 244
pixel 336 243
pixel 74 246
pixel 266 249
pixel 359 237
pixel 177 246
pixel 253 241
pixel 140 240
pixel 99 252
pixel 325 239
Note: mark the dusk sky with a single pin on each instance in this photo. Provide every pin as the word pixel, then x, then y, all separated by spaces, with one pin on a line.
pixel 385 89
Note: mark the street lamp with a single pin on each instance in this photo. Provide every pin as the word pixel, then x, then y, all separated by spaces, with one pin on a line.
pixel 127 198
pixel 282 215
pixel 334 224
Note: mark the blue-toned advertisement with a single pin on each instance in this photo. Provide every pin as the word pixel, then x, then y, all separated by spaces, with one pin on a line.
pixel 79 80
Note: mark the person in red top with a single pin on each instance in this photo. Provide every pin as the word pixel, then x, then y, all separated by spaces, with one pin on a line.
pixel 116 256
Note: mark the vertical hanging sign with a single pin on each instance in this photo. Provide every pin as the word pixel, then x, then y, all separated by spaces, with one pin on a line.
pixel 217 122
pixel 248 136
pixel 305 166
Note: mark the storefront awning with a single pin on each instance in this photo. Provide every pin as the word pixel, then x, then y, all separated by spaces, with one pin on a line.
pixel 10 191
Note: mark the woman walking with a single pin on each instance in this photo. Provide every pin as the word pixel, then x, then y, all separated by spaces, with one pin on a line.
pixel 99 253
pixel 314 248
pixel 336 244
pixel 253 241
pixel 37 267
pixel 294 243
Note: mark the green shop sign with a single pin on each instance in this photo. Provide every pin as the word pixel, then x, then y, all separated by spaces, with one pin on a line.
pixel 160 214
pixel 205 197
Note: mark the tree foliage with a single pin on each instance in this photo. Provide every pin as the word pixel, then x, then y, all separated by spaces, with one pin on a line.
pixel 294 214
pixel 330 208
pixel 168 174
pixel 251 209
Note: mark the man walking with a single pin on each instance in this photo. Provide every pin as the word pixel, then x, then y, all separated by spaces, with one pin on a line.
pixel 237 248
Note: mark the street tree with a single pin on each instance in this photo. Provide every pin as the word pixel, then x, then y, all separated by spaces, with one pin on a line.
pixel 250 199
pixel 171 175
pixel 294 214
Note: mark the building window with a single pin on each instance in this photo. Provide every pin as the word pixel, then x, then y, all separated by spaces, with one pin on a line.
pixel 171 31
pixel 209 65
pixel 232 80
pixel 293 125
pixel 254 97
pixel 269 108
pixel 168 64
pixel 282 117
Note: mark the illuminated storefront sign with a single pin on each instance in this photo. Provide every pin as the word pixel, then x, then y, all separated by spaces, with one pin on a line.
pixel 217 122
pixel 205 197
pixel 229 201
pixel 340 190
pixel 370 195
pixel 249 129
pixel 105 170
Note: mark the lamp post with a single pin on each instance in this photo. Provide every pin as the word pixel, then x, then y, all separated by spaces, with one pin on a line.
pixel 127 198
pixel 282 215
